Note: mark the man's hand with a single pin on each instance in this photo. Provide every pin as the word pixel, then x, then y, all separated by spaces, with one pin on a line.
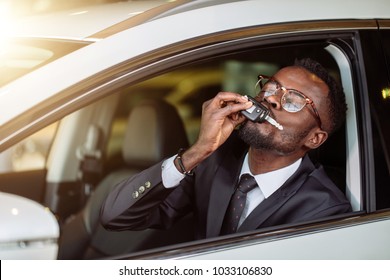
pixel 220 116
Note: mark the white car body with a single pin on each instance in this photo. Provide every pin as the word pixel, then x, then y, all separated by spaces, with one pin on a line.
pixel 119 34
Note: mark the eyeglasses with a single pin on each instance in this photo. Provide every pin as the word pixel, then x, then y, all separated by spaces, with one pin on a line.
pixel 291 100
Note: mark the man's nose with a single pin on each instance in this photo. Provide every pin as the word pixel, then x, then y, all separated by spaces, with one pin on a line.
pixel 274 101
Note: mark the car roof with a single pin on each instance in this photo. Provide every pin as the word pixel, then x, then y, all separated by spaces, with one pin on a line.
pixel 82 23
pixel 102 20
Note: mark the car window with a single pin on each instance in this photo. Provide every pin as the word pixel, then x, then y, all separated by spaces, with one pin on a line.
pixel 30 153
pixel 380 110
pixel 188 86
pixel 379 105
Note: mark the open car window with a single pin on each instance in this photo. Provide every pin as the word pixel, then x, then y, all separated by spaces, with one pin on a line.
pixel 188 86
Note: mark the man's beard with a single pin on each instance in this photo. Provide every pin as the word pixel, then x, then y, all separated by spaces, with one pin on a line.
pixel 256 139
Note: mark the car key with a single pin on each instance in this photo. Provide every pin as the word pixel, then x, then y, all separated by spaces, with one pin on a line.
pixel 259 113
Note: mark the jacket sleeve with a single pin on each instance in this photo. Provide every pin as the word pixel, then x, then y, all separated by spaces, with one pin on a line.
pixel 142 202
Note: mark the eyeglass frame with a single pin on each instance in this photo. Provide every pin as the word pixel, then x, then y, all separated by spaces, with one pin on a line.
pixel 285 90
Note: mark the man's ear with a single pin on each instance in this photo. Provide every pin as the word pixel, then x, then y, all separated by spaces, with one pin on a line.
pixel 316 139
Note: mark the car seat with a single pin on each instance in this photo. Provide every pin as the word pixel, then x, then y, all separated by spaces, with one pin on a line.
pixel 154 131
pixel 332 156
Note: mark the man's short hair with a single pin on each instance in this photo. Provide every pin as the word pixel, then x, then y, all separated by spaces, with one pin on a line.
pixel 337 106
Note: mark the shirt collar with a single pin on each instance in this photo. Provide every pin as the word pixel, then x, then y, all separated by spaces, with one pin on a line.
pixel 271 181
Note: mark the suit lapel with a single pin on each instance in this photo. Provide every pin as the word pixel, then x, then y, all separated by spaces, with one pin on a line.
pixel 270 205
pixel 223 187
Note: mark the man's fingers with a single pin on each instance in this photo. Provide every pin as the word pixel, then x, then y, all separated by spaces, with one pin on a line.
pixel 225 97
pixel 226 103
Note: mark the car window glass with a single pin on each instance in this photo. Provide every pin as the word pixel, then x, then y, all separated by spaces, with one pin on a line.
pixel 375 46
pixel 380 96
pixel 30 153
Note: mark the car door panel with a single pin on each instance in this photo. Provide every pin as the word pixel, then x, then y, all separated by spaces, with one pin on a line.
pixel 29 184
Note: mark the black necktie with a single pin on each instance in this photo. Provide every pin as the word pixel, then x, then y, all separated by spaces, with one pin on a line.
pixel 237 203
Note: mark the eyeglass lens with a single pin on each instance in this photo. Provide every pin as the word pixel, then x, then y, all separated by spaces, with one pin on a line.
pixel 292 101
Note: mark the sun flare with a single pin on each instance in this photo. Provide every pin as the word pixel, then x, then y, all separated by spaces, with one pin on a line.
pixel 6 23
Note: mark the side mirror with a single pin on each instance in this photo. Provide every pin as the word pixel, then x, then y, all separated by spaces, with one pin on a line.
pixel 28 230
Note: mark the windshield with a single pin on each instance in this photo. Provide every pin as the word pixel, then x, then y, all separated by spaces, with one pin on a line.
pixel 21 56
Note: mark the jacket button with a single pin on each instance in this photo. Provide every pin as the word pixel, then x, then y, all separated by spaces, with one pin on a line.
pixel 141 189
pixel 135 194
pixel 148 184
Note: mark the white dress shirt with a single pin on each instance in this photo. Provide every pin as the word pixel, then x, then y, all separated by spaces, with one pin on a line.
pixel 268 182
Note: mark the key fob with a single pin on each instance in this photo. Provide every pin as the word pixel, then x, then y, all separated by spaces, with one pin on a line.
pixel 256 113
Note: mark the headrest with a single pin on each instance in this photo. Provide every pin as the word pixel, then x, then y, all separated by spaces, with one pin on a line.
pixel 154 131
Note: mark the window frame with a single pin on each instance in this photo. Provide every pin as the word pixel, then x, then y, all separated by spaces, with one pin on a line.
pixel 353 166
pixel 355 172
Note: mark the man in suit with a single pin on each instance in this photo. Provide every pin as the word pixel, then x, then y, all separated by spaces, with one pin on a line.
pixel 287 187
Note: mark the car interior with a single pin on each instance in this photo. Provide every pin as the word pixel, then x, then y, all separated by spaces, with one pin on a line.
pixel 146 122
pixel 154 131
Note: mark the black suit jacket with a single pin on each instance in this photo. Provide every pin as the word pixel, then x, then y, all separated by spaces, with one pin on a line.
pixel 143 202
